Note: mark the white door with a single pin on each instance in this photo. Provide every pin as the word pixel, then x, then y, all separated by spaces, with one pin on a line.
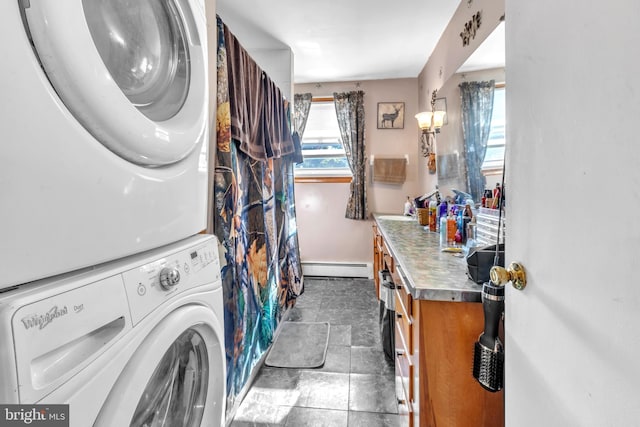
pixel 133 73
pixel 175 378
pixel 572 337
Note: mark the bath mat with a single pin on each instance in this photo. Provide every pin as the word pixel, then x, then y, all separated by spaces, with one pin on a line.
pixel 299 345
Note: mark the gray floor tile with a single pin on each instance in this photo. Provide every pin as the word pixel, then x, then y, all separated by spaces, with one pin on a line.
pixel 311 301
pixel 366 334
pixel 297 314
pixel 325 390
pixel 275 387
pixel 311 417
pixel 347 304
pixel 340 335
pixel 355 385
pixel 338 360
pixel 372 393
pixel 335 316
pixel 260 416
pixel 370 360
pixel 372 419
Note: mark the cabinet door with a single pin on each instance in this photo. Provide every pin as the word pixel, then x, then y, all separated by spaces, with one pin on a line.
pixel 404 376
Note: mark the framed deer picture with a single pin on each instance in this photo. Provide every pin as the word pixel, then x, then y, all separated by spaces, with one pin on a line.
pixel 390 115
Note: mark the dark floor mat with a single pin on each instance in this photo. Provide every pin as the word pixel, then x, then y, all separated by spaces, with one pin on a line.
pixel 299 345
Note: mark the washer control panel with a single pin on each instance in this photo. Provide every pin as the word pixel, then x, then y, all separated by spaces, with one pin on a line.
pixel 169 277
pixel 153 283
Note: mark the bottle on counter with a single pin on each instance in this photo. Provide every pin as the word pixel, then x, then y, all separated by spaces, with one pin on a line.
pixel 442 210
pixel 443 231
pixel 460 225
pixel 496 196
pixel 407 207
pixel 452 227
pixel 433 214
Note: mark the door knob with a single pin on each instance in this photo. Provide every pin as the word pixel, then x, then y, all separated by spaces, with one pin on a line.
pixel 514 273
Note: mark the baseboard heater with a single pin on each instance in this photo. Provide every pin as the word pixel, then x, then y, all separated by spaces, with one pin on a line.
pixel 337 269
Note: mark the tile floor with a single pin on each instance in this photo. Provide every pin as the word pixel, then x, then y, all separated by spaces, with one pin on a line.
pixel 355 387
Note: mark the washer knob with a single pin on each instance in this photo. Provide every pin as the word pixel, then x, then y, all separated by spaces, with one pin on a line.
pixel 169 277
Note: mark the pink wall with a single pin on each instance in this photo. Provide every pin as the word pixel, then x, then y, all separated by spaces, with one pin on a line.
pixel 324 234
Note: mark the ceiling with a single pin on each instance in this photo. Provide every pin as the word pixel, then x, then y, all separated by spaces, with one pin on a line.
pixel 346 40
pixel 490 54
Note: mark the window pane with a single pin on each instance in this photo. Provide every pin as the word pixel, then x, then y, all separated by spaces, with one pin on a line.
pixel 324 163
pixel 494 157
pixel 321 144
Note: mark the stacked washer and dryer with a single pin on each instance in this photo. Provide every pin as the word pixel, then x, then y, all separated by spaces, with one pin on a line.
pixel 110 300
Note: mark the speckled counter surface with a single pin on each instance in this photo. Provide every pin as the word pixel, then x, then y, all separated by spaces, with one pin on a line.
pixel 429 274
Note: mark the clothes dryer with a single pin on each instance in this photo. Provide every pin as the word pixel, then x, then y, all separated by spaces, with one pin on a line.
pixel 104 112
pixel 136 342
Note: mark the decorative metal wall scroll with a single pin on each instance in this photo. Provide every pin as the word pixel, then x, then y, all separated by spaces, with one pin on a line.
pixel 470 28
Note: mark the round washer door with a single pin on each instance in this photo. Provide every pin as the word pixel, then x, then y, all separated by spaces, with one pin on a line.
pixel 175 378
pixel 132 72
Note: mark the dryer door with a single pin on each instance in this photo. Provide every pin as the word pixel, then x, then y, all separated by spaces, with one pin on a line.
pixel 175 378
pixel 133 73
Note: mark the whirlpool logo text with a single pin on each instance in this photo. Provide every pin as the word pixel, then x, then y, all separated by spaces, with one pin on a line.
pixel 43 320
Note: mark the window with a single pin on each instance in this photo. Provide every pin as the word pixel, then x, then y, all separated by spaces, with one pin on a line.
pixel 322 148
pixel 494 157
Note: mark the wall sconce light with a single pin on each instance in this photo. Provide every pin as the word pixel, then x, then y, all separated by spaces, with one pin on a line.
pixel 430 123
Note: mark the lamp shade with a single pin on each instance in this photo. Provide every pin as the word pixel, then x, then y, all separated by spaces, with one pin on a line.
pixel 424 119
pixel 438 119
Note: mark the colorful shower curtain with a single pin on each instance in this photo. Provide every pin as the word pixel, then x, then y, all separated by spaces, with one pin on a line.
pixel 254 217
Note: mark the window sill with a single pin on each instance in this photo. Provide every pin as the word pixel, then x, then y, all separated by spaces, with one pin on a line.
pixel 488 171
pixel 322 179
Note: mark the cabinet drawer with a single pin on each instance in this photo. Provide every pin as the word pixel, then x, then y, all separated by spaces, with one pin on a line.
pixel 404 403
pixel 402 295
pixel 404 329
pixel 404 371
pixel 403 395
pixel 388 259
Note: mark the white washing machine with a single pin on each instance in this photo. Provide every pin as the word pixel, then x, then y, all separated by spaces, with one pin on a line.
pixel 135 342
pixel 103 111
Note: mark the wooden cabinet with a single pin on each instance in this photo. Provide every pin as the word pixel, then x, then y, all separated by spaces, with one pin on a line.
pixel 377 258
pixel 405 370
pixel 434 343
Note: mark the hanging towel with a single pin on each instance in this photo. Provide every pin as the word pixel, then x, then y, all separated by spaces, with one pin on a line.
pixel 259 116
pixel 392 171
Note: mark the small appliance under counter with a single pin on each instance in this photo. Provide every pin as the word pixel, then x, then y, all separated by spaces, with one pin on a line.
pixel 438 319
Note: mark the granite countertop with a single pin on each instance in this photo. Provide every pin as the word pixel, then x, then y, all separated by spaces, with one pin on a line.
pixel 429 274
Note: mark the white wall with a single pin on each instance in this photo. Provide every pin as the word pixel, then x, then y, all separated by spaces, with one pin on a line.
pixel 572 336
pixel 274 57
pixel 324 234
pixel 278 64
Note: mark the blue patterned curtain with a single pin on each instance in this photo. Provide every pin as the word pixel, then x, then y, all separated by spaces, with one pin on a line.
pixel 254 221
pixel 477 108
pixel 350 113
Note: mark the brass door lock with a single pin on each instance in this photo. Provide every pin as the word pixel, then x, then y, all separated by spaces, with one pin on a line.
pixel 514 273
